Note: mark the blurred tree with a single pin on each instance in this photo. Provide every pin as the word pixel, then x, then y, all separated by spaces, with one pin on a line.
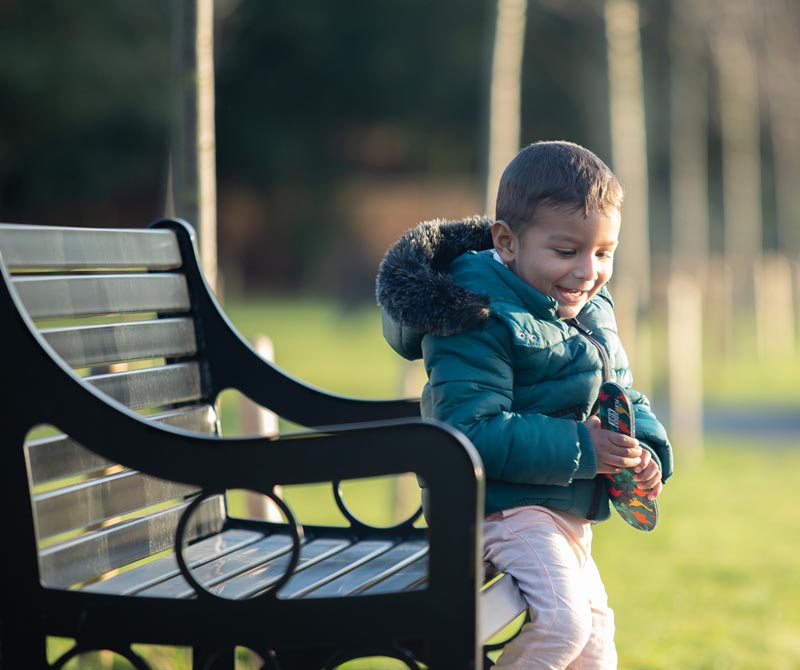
pixel 192 184
pixel 564 74
pixel 629 145
pixel 183 188
pixel 505 92
pixel 782 96
pixel 689 134
pixel 311 94
pixel 733 38
pixel 83 114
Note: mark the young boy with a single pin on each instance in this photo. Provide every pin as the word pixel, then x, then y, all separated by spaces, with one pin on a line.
pixel 517 331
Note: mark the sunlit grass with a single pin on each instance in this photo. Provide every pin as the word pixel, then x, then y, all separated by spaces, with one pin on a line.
pixel 716 584
pixel 341 352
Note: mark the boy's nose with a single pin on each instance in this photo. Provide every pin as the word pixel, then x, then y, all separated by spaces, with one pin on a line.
pixel 586 268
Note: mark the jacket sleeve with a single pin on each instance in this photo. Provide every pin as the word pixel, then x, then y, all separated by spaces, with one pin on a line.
pixel 651 433
pixel 471 387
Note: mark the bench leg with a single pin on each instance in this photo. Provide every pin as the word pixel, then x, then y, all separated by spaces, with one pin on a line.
pixel 210 658
pixel 19 647
pixel 453 657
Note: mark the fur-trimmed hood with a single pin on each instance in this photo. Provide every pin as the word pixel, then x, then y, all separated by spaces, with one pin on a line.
pixel 414 287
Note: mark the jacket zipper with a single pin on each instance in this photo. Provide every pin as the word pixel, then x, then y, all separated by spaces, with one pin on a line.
pixel 600 484
pixel 589 335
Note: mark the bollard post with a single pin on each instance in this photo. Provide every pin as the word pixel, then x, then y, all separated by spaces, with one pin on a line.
pixel 257 420
pixel 685 334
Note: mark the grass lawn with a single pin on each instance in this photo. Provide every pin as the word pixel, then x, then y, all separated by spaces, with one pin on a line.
pixel 716 584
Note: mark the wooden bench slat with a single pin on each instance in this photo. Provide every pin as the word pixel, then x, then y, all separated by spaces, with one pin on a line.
pixel 94 295
pixel 411 577
pixel 501 602
pixel 335 566
pixel 155 572
pixel 355 576
pixel 59 457
pixel 82 346
pixel 27 247
pixel 152 387
pixel 253 567
pixel 359 576
pixel 88 556
pixel 194 418
pixel 261 578
pixel 219 569
pixel 94 501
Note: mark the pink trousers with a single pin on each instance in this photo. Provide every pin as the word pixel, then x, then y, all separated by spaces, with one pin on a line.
pixel 549 555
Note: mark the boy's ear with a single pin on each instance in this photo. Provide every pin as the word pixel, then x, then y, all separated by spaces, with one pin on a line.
pixel 505 241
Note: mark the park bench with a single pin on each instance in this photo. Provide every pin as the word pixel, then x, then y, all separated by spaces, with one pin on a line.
pixel 118 529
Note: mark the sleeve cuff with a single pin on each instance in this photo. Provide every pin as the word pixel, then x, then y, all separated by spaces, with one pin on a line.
pixel 587 461
pixel 652 451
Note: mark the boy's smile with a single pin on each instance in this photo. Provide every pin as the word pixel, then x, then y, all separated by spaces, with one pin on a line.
pixel 563 254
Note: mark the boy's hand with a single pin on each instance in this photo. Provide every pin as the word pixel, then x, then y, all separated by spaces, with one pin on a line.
pixel 648 475
pixel 614 451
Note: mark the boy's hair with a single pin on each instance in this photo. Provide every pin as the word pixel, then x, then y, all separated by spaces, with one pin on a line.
pixel 555 174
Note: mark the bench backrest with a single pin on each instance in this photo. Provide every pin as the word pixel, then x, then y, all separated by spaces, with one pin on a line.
pixel 116 307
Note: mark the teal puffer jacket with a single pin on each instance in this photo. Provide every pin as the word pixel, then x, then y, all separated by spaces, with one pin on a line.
pixel 505 370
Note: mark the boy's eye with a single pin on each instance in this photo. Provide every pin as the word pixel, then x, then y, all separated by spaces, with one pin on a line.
pixel 607 255
pixel 565 253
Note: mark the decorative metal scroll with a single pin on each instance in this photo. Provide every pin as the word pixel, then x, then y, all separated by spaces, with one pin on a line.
pixel 268 659
pixel 295 531
pixel 396 652
pixel 126 652
pixel 355 522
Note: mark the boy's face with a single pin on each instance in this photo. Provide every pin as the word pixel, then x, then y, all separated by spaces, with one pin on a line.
pixel 563 254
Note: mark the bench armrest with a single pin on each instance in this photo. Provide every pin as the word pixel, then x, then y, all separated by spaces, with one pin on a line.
pixel 234 363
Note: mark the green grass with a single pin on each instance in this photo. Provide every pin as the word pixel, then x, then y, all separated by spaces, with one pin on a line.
pixel 342 352
pixel 716 585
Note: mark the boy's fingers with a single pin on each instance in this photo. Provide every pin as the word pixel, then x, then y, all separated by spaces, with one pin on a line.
pixel 624 441
pixel 623 462
pixel 655 491
pixel 648 483
pixel 645 461
pixel 649 480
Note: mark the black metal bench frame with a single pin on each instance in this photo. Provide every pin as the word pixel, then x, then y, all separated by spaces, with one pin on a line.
pixel 434 620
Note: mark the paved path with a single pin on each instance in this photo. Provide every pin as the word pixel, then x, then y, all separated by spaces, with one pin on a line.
pixel 767 421
pixel 772 422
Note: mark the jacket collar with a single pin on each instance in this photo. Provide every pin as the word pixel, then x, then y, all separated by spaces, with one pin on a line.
pixel 507 289
pixel 415 288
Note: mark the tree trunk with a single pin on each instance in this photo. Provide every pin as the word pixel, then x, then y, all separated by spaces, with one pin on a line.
pixel 628 143
pixel 504 97
pixel 741 151
pixel 192 178
pixel 206 141
pixel 783 100
pixel 689 137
